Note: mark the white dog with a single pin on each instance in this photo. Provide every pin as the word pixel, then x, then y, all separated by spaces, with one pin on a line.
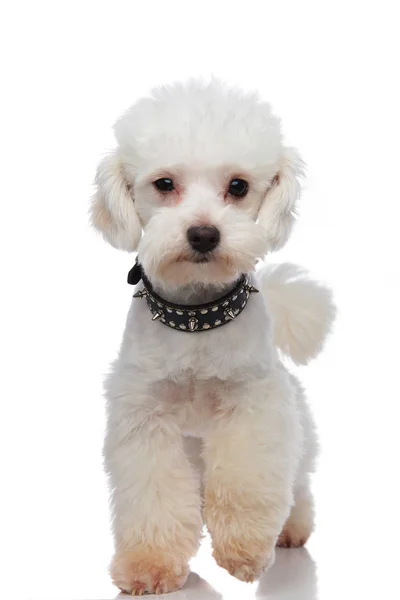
pixel 205 424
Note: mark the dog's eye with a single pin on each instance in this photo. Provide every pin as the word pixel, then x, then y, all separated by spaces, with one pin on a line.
pixel 164 184
pixel 238 188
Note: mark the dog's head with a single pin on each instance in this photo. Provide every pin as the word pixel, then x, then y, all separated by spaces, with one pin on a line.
pixel 200 184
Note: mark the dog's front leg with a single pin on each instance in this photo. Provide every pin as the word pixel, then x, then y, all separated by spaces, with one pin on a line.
pixel 251 453
pixel 155 498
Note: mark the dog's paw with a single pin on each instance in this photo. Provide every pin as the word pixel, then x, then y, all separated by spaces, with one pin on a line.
pixel 299 525
pixel 293 536
pixel 148 571
pixel 244 565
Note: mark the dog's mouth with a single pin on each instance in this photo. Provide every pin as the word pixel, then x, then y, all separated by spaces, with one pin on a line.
pixel 197 258
pixel 201 260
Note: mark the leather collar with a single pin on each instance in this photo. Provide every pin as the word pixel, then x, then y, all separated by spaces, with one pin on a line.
pixel 193 318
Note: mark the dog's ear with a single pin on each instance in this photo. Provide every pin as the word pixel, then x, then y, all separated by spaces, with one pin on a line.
pixel 277 212
pixel 112 211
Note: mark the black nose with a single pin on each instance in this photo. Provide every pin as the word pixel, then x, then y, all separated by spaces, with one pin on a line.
pixel 203 238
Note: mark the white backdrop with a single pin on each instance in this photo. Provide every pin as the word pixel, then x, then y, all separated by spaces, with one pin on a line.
pixel 330 70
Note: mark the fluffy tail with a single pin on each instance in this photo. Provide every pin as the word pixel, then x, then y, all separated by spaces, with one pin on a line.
pixel 302 310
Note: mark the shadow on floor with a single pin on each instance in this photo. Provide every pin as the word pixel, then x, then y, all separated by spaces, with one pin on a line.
pixel 292 577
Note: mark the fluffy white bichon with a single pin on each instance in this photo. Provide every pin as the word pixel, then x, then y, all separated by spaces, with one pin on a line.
pixel 205 423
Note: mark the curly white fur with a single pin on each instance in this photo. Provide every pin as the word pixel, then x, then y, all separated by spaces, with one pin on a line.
pixel 207 427
pixel 302 310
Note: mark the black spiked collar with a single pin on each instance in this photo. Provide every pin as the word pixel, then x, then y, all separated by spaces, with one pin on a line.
pixel 198 317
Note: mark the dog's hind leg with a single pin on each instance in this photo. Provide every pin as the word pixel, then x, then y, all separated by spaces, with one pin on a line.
pixel 300 522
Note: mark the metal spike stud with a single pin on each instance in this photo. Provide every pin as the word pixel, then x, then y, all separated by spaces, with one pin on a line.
pixel 156 316
pixel 252 289
pixel 229 312
pixel 193 324
pixel 140 294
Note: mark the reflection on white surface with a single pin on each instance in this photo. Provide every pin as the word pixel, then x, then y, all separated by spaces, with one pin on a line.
pixel 292 577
